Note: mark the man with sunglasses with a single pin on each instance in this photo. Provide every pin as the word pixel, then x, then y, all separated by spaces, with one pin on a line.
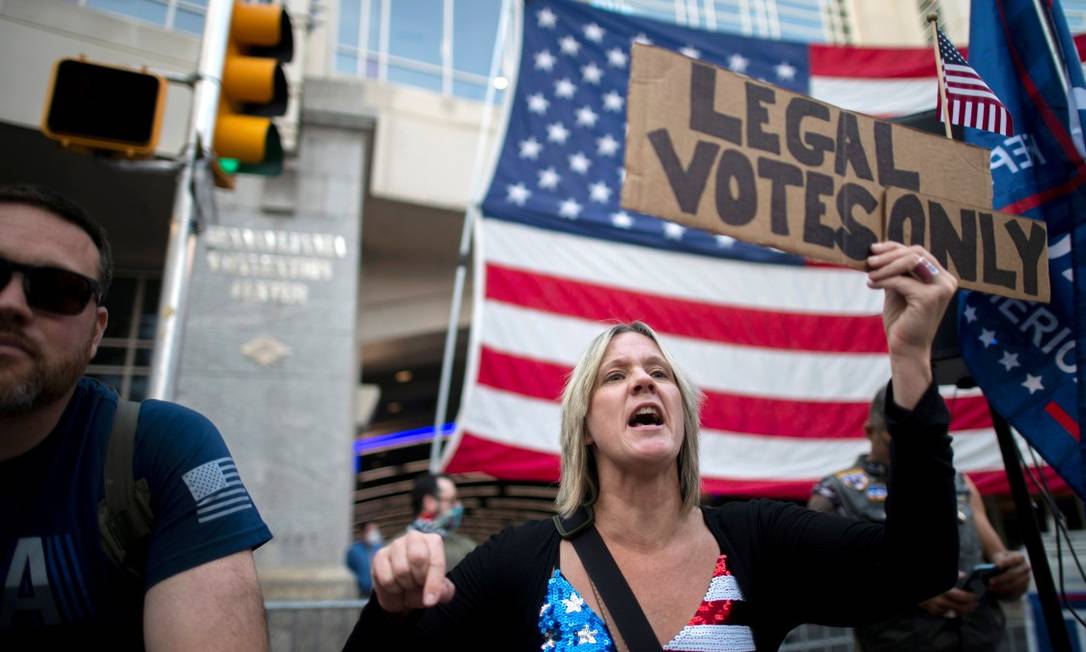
pixel 199 587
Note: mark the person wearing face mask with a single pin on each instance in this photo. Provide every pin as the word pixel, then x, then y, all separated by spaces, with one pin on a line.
pixel 368 540
pixel 437 509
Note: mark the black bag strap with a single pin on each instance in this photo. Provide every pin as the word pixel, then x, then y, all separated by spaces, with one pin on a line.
pixel 606 575
pixel 124 515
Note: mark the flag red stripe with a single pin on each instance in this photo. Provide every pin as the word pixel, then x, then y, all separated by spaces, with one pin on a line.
pixel 723 411
pixel 1065 420
pixel 871 63
pixel 733 325
pixel 1034 200
pixel 477 454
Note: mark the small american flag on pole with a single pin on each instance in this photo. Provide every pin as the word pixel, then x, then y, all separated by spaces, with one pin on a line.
pixel 969 100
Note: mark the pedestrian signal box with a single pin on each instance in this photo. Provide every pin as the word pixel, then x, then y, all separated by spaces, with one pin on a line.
pixel 104 107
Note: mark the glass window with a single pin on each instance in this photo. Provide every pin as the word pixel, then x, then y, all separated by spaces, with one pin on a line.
pixel 349 11
pixel 186 20
pixel 475 27
pixel 122 293
pixel 123 360
pixel 148 10
pixel 137 387
pixel 415 29
pixel 412 76
pixel 346 64
pixel 149 313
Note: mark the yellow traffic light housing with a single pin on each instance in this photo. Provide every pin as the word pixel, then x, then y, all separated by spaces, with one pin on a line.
pixel 104 107
pixel 254 87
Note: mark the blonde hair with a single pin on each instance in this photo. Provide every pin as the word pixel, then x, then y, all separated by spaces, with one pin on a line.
pixel 579 484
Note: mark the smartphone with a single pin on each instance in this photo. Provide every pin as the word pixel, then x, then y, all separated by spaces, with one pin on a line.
pixel 977 580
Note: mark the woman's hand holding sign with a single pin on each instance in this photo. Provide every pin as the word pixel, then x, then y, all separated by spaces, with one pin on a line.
pixel 918 290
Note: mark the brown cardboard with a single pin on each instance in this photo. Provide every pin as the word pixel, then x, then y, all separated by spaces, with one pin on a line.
pixel 691 124
pixel 988 251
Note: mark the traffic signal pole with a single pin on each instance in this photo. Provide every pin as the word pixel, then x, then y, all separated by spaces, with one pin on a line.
pixel 182 243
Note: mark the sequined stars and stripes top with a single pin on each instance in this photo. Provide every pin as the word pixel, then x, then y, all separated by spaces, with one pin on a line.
pixel 568 623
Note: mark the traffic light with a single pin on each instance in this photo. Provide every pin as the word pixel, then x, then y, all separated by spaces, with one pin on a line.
pixel 104 107
pixel 253 88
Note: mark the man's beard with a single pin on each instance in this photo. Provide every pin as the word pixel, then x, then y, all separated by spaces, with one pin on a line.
pixel 44 382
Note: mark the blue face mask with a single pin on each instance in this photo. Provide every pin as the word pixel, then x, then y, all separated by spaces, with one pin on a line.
pixel 450 520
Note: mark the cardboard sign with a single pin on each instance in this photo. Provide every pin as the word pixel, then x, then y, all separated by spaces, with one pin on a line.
pixel 993 252
pixel 718 151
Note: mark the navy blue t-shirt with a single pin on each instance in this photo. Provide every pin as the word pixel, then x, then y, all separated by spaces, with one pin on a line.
pixel 58 583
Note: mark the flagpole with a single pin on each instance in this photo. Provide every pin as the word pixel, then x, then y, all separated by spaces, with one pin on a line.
pixel 470 216
pixel 932 20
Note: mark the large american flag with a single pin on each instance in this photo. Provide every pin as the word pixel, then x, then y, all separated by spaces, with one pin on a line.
pixel 969 100
pixel 787 353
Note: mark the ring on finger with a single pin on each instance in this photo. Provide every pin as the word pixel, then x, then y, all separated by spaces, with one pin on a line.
pixel 924 270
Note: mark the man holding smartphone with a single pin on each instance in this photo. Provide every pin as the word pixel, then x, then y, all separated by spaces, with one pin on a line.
pixel 967 617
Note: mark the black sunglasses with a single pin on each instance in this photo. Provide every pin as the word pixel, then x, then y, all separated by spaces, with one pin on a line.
pixel 51 289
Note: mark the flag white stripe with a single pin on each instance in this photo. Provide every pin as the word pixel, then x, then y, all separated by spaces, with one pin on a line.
pixel 212 517
pixel 957 110
pixel 533 424
pixel 992 117
pixel 967 81
pixel 223 493
pixel 683 276
pixel 878 97
pixel 959 68
pixel 765 372
pixel 210 507
pixel 968 118
pixel 969 92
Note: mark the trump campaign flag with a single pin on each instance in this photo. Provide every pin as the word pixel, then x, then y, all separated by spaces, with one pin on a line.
pixel 788 353
pixel 1027 357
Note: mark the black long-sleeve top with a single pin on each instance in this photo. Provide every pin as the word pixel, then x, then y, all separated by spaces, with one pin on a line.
pixel 792 565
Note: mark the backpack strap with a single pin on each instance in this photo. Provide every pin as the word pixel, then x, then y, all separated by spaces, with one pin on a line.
pixel 124 514
pixel 580 530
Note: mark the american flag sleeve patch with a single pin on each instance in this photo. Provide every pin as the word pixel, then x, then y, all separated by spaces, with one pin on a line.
pixel 217 489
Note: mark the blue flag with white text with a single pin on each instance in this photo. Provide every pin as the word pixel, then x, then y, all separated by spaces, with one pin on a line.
pixel 1025 355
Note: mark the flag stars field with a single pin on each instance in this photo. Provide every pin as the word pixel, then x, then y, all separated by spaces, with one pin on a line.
pixel 530 148
pixel 544 60
pixel 548 179
pixel 607 145
pixel 1009 360
pixel 586 117
pixel 564 88
pixel 592 73
pixel 987 337
pixel 1033 383
pixel 547 19
pixel 518 194
pixel 570 45
pixel 738 63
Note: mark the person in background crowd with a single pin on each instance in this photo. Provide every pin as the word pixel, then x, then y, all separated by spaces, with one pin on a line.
pixel 368 540
pixel 962 618
pixel 436 509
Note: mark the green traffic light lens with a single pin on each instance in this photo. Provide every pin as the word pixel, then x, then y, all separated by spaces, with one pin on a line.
pixel 229 165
